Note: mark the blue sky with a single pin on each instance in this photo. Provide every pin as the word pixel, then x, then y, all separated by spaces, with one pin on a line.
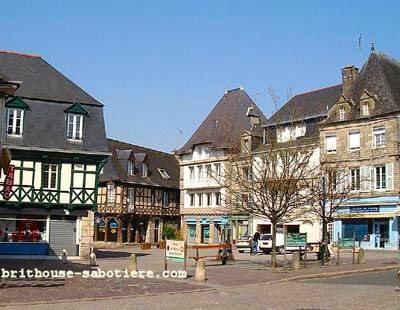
pixel 160 66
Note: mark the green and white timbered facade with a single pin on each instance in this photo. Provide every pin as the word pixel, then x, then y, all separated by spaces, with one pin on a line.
pixel 56 136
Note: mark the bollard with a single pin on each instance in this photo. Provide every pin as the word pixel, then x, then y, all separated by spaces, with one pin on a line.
pixel 361 256
pixel 92 259
pixel 132 263
pixel 296 260
pixel 200 270
pixel 64 256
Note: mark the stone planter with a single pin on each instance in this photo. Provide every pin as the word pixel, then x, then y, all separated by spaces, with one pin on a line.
pixel 145 246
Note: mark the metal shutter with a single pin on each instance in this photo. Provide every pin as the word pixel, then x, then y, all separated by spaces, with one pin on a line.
pixel 63 236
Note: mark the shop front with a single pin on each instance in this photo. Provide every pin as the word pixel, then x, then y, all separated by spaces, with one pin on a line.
pixel 43 233
pixel 372 226
pixel 207 229
pixel 241 226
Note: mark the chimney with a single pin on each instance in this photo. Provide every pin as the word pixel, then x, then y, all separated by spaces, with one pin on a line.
pixel 349 75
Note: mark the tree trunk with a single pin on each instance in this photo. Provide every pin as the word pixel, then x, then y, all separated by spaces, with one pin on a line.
pixel 273 253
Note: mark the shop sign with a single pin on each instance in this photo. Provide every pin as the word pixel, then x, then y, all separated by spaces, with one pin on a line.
pixel 364 209
pixel 8 182
pixel 346 243
pixel 175 250
pixel 296 240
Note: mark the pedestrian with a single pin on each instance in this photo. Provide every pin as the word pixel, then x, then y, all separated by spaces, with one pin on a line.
pixel 256 237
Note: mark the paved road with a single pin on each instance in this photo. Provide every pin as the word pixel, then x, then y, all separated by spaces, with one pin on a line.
pixel 361 291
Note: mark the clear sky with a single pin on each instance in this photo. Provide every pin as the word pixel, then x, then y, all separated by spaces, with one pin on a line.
pixel 160 66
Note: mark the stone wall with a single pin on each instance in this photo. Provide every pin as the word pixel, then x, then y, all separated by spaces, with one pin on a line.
pixel 87 232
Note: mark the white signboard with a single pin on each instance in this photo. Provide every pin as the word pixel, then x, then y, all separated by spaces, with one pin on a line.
pixel 175 250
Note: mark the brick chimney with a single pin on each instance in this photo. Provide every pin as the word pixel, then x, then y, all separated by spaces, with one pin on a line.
pixel 349 75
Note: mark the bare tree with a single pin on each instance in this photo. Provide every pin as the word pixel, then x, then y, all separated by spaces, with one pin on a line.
pixel 271 182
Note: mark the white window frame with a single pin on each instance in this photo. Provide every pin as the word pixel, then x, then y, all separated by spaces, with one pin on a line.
pixel 192 200
pixel 111 192
pixel 191 174
pixel 355 147
pixel 217 198
pixel 200 199
pixel 381 132
pixel 131 168
pixel 355 179
pixel 14 122
pixel 208 199
pixel 326 143
pixel 381 178
pixel 200 173
pixel 365 109
pixel 217 167
pixel 208 168
pixel 50 174
pixel 145 170
pixel 77 129
pixel 164 174
pixel 342 113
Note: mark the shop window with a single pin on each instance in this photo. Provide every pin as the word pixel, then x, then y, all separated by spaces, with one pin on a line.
pixel 23 229
pixel 192 233
pixel 293 229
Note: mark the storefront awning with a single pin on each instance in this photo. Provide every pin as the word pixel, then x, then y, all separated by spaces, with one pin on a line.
pixel 365 215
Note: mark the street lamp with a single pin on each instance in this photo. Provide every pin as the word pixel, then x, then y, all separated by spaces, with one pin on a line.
pixel 324 225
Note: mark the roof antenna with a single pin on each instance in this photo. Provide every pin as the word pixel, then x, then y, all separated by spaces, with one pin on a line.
pixel 372 47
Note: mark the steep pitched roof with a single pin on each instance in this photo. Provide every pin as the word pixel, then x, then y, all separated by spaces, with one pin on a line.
pixel 224 125
pixel 313 104
pixel 40 80
pixel 380 79
pixel 116 168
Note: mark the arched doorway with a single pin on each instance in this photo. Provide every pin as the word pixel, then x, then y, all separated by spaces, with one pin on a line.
pixel 112 230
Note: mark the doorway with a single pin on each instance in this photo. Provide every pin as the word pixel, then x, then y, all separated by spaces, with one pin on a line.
pixel 205 233
pixel 381 233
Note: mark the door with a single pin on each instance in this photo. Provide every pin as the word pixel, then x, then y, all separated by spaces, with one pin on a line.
pixel 381 233
pixel 156 228
pixel 205 233
pixel 191 233
pixel 63 236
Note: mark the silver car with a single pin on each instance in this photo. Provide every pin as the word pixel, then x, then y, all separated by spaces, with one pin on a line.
pixel 243 244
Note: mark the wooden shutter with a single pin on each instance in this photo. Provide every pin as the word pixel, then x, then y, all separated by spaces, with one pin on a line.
pixel 389 177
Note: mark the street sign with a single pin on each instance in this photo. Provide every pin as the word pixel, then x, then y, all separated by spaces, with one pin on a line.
pixel 346 243
pixel 296 240
pixel 175 250
pixel 8 182
pixel 5 159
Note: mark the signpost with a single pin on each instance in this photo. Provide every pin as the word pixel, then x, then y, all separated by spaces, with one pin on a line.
pixel 297 240
pixel 8 182
pixel 175 251
pixel 346 243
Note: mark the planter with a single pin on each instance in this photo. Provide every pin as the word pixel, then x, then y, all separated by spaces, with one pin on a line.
pixel 161 245
pixel 145 246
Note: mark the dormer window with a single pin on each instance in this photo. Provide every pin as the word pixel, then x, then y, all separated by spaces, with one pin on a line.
pixel 145 169
pixel 164 174
pixel 342 113
pixel 131 168
pixel 75 127
pixel 365 109
pixel 15 122
pixel 75 114
pixel 16 108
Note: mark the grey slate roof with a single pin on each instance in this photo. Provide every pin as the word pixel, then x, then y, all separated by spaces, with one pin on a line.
pixel 48 94
pixel 40 80
pixel 309 105
pixel 116 168
pixel 380 77
pixel 225 124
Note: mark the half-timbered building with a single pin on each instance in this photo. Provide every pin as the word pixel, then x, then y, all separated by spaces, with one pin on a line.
pixel 56 136
pixel 138 194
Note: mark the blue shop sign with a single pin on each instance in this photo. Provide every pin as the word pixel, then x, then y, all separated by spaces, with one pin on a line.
pixel 364 209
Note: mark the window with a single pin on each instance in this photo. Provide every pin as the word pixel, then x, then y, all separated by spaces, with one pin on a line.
pixel 15 122
pixel 110 193
pixel 145 170
pixel 131 168
pixel 330 143
pixel 200 173
pixel 218 199
pixel 191 173
pixel 354 140
pixel 217 170
pixel 75 127
pixel 131 200
pixel 379 136
pixel 380 177
pixel 164 174
pixel 342 113
pixel 208 172
pixel 191 196
pixel 165 199
pixel 355 179
pixel 50 174
pixel 200 199
pixel 208 199
pixel 365 109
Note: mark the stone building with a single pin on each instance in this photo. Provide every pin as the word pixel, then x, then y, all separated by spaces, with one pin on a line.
pixel 361 137
pixel 56 135
pixel 206 216
pixel 138 194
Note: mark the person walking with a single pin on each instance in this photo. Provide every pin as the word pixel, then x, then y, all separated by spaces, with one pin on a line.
pixel 255 239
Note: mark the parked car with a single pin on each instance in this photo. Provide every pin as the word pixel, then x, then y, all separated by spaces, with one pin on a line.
pixel 265 243
pixel 243 244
